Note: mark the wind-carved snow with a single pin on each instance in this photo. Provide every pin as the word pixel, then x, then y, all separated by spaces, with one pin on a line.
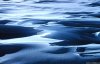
pixel 59 31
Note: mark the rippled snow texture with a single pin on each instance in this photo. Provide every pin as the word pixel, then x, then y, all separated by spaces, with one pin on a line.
pixel 49 31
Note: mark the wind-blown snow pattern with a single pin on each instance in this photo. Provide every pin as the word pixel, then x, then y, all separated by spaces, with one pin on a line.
pixel 49 31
